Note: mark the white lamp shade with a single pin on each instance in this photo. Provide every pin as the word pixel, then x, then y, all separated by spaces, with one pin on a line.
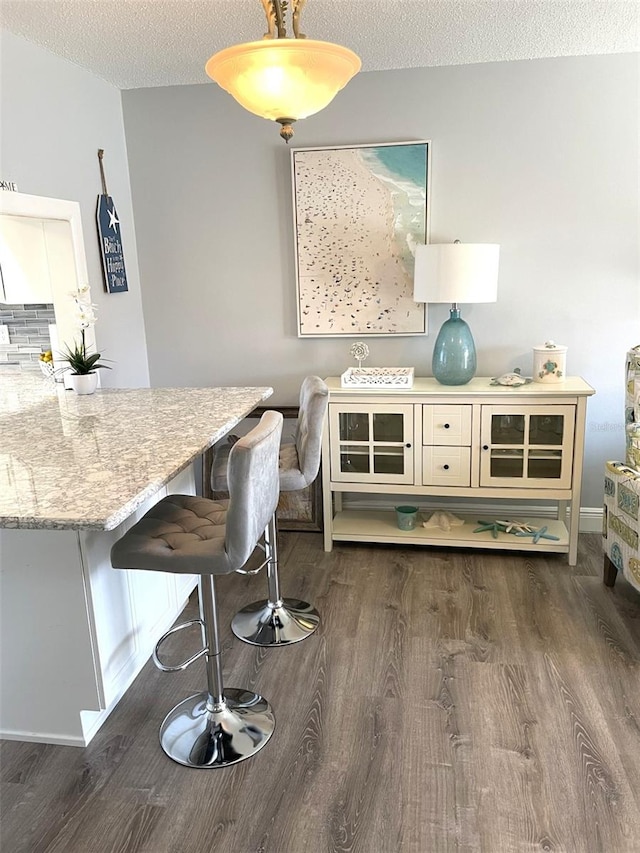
pixel 456 272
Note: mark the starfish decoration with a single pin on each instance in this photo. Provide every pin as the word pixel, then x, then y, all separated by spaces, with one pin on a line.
pixel 113 219
pixel 517 528
pixel 540 533
pixel 488 525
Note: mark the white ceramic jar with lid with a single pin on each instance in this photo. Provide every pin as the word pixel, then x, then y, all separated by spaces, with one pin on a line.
pixel 549 362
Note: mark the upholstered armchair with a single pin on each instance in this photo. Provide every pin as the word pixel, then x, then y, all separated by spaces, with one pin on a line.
pixel 621 523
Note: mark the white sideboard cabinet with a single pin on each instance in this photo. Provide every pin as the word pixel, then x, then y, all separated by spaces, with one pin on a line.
pixel 476 442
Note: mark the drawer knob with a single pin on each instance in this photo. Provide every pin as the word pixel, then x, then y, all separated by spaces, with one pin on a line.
pixel 446 426
pixel 407 445
pixel 485 446
pixel 446 467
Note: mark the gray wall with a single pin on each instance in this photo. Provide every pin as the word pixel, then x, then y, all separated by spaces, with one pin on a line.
pixel 539 156
pixel 55 116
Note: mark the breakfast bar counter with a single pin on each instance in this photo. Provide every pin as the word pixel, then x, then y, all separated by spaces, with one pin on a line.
pixel 75 473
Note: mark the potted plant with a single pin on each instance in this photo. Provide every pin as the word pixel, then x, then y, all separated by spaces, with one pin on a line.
pixel 82 364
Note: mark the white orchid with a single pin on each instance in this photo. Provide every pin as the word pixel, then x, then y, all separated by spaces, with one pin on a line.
pixel 85 316
pixel 85 310
pixel 77 356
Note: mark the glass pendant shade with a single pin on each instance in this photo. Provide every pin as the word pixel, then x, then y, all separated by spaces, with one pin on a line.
pixel 454 353
pixel 283 79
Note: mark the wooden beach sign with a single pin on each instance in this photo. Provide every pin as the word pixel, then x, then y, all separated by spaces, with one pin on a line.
pixel 109 238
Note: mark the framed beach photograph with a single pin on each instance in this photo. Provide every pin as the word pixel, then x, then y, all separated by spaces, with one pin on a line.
pixel 358 214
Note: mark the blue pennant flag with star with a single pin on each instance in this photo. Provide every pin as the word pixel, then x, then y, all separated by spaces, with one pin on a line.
pixel 115 274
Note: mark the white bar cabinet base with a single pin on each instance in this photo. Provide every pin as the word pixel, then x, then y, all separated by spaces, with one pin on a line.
pixel 74 632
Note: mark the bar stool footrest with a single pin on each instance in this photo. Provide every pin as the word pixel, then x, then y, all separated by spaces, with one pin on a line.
pixel 179 667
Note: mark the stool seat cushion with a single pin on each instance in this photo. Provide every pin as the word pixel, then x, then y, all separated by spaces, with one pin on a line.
pixel 299 460
pixel 195 535
pixel 181 534
pixel 314 397
pixel 291 477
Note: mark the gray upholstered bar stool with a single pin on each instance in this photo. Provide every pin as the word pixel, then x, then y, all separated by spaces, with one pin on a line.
pixel 183 533
pixel 279 621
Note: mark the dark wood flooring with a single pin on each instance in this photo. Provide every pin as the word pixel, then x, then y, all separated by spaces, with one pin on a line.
pixel 450 701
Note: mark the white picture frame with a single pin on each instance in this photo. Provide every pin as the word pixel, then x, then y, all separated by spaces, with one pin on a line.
pixel 358 212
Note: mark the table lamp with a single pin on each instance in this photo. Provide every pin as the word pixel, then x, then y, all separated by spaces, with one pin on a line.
pixel 455 272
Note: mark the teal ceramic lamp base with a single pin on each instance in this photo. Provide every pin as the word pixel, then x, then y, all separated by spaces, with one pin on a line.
pixel 454 353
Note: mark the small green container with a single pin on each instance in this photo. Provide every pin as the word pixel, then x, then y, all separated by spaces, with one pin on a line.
pixel 407 517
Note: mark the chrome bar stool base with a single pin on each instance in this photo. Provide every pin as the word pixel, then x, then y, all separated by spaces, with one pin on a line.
pixel 199 736
pixel 266 624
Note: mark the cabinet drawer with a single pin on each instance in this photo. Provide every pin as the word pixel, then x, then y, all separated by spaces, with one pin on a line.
pixel 446 466
pixel 446 425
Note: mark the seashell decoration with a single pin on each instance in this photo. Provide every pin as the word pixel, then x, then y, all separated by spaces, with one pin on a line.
pixel 512 379
pixel 444 520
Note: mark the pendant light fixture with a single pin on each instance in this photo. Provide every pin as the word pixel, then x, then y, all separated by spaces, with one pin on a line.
pixel 280 78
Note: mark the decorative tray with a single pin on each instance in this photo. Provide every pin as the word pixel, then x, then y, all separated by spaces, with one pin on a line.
pixel 377 377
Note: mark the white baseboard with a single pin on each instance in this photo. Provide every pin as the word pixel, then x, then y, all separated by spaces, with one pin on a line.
pixel 590 517
pixel 43 737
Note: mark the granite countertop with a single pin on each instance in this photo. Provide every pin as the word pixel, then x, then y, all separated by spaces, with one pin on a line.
pixel 87 462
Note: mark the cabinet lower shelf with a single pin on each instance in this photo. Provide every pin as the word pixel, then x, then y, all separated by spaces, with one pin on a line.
pixel 380 526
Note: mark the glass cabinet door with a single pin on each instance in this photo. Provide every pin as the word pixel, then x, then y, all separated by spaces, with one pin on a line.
pixel 372 443
pixel 527 446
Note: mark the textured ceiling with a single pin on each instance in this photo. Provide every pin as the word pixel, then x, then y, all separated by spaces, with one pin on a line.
pixel 138 43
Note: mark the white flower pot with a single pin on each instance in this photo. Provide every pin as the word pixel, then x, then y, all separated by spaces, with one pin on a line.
pixel 83 383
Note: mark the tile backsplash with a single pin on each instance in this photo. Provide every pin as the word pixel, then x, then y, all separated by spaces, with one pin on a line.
pixel 28 334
